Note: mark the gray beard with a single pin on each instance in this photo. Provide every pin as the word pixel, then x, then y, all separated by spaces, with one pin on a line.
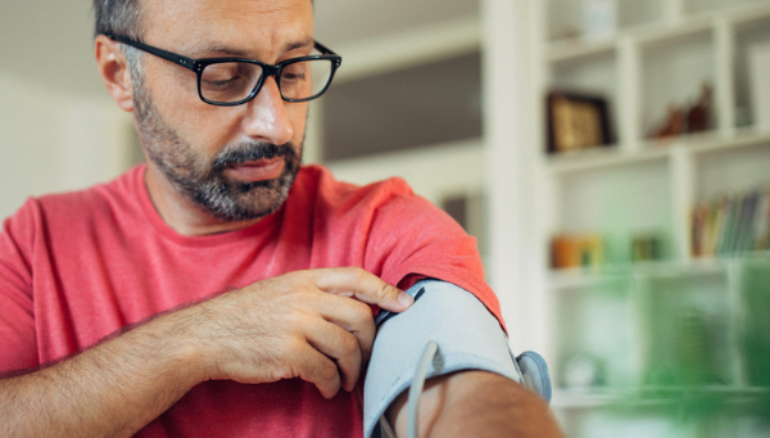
pixel 205 183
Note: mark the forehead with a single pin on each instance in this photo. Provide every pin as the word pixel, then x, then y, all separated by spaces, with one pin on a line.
pixel 260 26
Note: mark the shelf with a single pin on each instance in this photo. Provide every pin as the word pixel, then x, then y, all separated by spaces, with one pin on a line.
pixel 581 278
pixel 569 50
pixel 653 33
pixel 741 15
pixel 667 33
pixel 409 49
pixel 652 150
pixel 588 398
pixel 595 397
pixel 603 157
pixel 744 138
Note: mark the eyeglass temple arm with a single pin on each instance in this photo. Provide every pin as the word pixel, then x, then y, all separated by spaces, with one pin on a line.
pixel 323 49
pixel 173 57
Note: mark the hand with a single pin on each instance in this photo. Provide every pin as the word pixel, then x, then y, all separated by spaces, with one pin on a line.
pixel 304 324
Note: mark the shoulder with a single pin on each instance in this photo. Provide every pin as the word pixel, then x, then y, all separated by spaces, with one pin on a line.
pixel 46 223
pixel 105 198
pixel 388 213
pixel 317 183
pixel 338 192
pixel 68 213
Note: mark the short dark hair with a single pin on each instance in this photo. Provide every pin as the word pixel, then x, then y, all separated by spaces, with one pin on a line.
pixel 124 17
pixel 121 17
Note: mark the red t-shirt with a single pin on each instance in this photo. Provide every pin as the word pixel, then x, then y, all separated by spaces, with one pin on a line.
pixel 78 266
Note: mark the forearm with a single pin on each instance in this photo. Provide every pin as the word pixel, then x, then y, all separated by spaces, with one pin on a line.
pixel 112 390
pixel 279 328
pixel 477 404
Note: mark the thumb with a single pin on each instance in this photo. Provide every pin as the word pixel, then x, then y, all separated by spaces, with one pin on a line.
pixel 363 285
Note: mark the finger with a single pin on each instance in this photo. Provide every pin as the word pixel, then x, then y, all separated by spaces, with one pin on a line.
pixel 365 286
pixel 354 316
pixel 316 368
pixel 339 345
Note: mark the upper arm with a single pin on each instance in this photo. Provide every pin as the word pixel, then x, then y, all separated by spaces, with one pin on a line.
pixel 443 393
pixel 469 337
pixel 410 236
pixel 18 345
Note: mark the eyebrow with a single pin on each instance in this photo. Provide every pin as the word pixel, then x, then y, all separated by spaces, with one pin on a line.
pixel 240 53
pixel 288 47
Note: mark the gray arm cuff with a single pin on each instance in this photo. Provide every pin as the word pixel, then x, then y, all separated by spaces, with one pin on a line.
pixel 469 337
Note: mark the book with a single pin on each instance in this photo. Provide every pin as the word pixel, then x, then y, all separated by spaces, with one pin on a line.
pixel 748 238
pixel 727 226
pixel 763 222
pixel 741 225
pixel 730 225
pixel 712 229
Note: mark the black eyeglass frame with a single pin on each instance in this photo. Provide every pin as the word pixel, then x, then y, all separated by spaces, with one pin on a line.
pixel 197 66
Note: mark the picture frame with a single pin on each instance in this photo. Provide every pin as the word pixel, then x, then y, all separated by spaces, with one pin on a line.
pixel 577 121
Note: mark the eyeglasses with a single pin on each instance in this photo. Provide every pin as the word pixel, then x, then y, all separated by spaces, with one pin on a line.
pixel 235 81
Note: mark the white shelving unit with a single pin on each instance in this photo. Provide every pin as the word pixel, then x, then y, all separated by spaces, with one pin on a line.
pixel 435 171
pixel 661 52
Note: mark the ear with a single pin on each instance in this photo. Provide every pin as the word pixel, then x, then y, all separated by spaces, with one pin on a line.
pixel 113 67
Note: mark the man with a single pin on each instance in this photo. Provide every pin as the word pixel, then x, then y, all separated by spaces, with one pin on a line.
pixel 222 290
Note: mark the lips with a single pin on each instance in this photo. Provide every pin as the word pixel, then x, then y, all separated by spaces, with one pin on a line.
pixel 262 170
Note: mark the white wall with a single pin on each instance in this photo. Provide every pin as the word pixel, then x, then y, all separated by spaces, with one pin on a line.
pixel 52 142
pixel 433 172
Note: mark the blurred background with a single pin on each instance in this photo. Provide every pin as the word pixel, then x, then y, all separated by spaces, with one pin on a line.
pixel 612 157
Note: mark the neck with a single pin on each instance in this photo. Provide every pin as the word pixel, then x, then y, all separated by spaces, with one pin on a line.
pixel 182 214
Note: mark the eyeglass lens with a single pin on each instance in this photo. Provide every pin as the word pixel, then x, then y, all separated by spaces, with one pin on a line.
pixel 228 82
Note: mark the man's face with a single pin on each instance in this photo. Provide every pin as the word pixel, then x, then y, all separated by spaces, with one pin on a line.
pixel 238 162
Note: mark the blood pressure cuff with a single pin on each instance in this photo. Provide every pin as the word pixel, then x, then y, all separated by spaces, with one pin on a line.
pixel 469 337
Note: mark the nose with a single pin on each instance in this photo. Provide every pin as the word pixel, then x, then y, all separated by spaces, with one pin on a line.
pixel 266 118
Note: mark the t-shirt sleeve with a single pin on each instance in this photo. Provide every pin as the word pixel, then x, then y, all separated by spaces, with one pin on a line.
pixel 18 346
pixel 410 238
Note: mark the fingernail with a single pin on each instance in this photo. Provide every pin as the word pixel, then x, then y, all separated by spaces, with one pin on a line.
pixel 405 299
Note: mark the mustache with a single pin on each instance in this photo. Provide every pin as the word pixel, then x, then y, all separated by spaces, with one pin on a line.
pixel 251 151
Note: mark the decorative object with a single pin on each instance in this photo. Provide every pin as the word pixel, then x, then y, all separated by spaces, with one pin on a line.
pixel 600 19
pixel 569 32
pixel 645 247
pixel 577 121
pixel 584 371
pixel 699 114
pixel 564 253
pixel 696 117
pixel 674 125
pixel 577 251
